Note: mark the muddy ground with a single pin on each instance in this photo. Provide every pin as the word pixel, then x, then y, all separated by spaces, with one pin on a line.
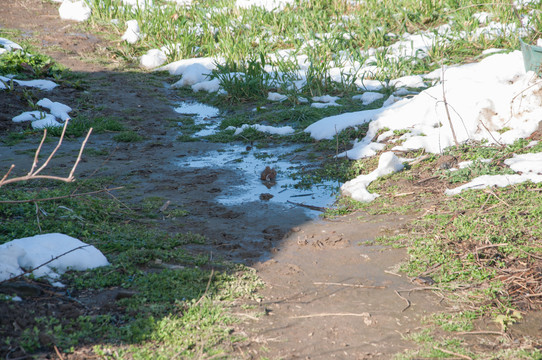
pixel 328 294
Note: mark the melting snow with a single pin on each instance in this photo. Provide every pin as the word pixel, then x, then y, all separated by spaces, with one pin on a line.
pixel 28 253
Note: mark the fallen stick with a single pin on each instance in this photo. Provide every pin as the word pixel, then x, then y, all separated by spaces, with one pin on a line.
pixel 34 173
pixel 405 299
pixel 461 356
pixel 330 314
pixel 480 333
pixel 312 207
pixel 426 179
pixel 350 285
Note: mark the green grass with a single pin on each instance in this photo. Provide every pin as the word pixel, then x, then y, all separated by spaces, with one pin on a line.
pixel 174 310
pixel 324 31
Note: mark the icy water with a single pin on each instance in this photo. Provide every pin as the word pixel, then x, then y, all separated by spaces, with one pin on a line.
pixel 202 115
pixel 249 164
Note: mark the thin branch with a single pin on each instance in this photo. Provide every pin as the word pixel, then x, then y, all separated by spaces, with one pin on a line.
pixel 312 207
pixel 330 314
pixel 446 107
pixel 405 299
pixel 480 333
pixel 45 263
pixel 35 163
pixel 350 285
pixel 461 356
pixel 54 150
pixel 7 174
pixel 33 174
pixel 207 287
pixel 80 154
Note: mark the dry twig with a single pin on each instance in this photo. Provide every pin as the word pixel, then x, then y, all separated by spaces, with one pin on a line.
pixel 35 173
pixel 365 314
pixel 350 285
pixel 461 356
pixel 447 110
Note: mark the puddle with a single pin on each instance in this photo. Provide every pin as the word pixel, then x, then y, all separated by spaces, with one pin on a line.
pixel 202 114
pixel 248 165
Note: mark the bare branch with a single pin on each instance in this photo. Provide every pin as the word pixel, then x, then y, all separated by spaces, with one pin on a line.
pixel 34 174
pixel 448 111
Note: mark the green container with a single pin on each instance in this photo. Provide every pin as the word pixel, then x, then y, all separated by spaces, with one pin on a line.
pixel 532 57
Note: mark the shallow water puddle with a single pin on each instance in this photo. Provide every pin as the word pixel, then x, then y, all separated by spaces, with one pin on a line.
pixel 249 165
pixel 201 114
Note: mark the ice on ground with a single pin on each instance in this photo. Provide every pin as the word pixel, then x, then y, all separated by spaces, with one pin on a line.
pixel 77 10
pixel 357 188
pixel 248 168
pixel 483 99
pixel 198 110
pixel 202 115
pixel 28 253
pixel 132 33
pixel 283 130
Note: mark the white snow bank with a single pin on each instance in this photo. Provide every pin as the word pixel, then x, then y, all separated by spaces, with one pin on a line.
pixel 269 5
pixel 28 253
pixel 8 45
pixel 57 109
pixel 30 116
pixel 153 58
pixel 530 165
pixel 39 119
pixel 209 86
pixel 283 130
pixel 47 122
pixel 180 67
pixel 275 96
pixel 368 97
pixel 357 188
pixel 483 98
pixel 77 10
pixel 45 85
pixel 526 163
pixel 485 181
pixel 132 33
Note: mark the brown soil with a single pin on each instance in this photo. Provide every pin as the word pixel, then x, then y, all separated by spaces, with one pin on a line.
pixel 328 294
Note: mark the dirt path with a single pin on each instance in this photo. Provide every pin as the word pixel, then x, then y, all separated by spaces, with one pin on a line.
pixel 328 295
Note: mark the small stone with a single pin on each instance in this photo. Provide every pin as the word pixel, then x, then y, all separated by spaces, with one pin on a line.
pixel 266 196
